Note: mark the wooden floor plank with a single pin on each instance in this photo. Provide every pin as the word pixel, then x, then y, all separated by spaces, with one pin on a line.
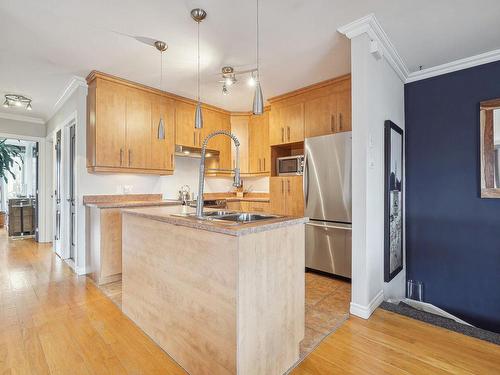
pixel 54 322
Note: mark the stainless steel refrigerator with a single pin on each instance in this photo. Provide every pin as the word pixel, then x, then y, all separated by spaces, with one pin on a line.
pixel 327 199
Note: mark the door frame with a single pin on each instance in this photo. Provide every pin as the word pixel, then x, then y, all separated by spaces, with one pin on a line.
pixel 44 227
pixel 64 126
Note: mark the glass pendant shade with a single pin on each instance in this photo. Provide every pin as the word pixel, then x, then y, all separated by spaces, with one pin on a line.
pixel 161 129
pixel 198 117
pixel 258 100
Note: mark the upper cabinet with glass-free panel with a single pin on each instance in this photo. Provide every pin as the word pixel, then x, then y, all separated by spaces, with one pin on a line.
pixel 490 148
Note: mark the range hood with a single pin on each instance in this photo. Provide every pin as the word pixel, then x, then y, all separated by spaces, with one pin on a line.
pixel 194 152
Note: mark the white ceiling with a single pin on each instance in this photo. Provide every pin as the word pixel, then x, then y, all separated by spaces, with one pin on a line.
pixel 45 43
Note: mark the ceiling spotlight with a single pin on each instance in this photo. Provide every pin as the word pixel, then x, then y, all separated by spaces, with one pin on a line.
pixel 251 81
pixel 17 101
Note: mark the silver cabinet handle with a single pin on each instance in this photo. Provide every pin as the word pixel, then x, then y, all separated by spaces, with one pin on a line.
pixel 282 186
pixel 332 123
pixel 259 166
pixel 194 138
pixel 264 164
pixel 288 181
pixel 121 156
pixel 340 121
pixel 282 134
pixel 171 160
pixel 288 129
pixel 129 156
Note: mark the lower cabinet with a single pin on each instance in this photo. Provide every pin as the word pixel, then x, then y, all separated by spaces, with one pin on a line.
pixel 287 197
pixel 248 206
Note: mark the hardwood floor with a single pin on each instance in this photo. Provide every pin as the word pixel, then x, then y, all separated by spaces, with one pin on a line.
pixel 53 322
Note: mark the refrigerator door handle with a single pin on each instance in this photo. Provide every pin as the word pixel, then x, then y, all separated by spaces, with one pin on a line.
pixel 305 180
pixel 327 225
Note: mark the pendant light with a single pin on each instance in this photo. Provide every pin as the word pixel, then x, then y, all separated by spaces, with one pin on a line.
pixel 198 15
pixel 258 99
pixel 162 47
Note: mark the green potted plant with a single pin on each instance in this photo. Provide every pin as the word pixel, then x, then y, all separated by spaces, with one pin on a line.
pixel 8 155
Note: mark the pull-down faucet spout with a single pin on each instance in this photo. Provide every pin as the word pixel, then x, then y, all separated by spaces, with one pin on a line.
pixel 201 176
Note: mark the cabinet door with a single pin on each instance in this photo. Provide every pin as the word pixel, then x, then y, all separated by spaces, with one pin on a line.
pixel 185 133
pixel 292 120
pixel 277 195
pixel 233 206
pixel 294 196
pixel 138 129
pixel 276 130
pixel 111 104
pixel 264 148
pixel 320 117
pixel 162 150
pixel 225 144
pixel 253 145
pixel 239 127
pixel 343 103
pixel 259 149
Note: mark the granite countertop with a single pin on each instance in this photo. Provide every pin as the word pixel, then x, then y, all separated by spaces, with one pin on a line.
pixel 170 215
pixel 129 204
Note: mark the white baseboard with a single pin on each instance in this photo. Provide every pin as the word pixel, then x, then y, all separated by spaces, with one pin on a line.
pixel 365 312
pixel 80 270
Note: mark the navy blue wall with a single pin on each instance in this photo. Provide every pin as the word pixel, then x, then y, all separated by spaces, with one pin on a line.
pixel 452 235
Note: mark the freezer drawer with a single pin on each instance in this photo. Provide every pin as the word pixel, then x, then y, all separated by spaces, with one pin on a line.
pixel 328 247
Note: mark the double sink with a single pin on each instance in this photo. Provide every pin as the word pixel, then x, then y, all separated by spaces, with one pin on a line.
pixel 231 217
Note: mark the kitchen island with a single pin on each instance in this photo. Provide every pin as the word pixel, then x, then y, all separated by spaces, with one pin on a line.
pixel 218 298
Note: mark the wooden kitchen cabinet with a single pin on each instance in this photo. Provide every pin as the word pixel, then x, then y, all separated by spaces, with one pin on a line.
pixel 107 124
pixel 259 151
pixel 120 135
pixel 162 150
pixel 239 127
pixel 287 196
pixel 138 120
pixel 328 114
pixel 185 133
pixel 287 123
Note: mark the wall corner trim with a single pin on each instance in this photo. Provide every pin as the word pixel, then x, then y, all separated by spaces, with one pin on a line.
pixel 454 66
pixel 16 117
pixel 365 312
pixel 73 84
pixel 369 25
pixel 80 270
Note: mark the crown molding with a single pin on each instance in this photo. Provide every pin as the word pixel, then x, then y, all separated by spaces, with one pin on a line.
pixel 15 117
pixel 73 84
pixel 454 66
pixel 380 45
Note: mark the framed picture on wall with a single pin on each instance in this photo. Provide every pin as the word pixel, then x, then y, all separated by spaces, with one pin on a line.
pixel 393 201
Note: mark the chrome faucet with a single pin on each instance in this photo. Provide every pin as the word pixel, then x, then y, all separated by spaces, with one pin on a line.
pixel 201 177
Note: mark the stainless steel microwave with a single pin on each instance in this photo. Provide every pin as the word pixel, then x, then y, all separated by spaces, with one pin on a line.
pixel 290 165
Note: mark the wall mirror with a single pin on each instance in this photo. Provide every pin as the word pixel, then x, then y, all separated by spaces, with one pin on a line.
pixel 490 148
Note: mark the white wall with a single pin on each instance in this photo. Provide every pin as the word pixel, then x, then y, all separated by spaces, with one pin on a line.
pixel 21 128
pixel 377 95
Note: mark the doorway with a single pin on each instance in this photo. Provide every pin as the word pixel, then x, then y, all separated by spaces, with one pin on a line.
pixel 57 194
pixel 19 189
pixel 71 197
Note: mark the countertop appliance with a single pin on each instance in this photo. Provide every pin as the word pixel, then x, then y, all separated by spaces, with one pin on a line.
pixel 290 165
pixel 327 202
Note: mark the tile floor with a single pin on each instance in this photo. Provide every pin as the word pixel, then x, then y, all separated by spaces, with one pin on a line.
pixel 327 307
